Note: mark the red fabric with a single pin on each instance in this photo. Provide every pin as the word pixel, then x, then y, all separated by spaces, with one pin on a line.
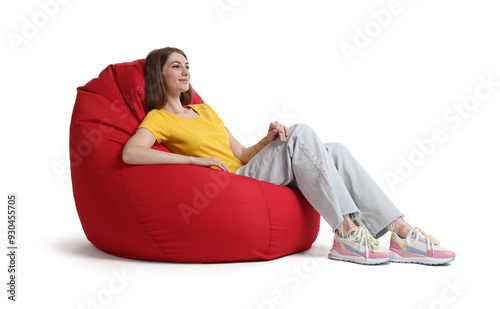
pixel 175 213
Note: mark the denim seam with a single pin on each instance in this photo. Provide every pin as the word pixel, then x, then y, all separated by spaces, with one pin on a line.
pixel 301 145
pixel 262 161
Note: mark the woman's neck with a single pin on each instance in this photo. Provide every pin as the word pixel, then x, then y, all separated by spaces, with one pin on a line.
pixel 180 110
pixel 174 105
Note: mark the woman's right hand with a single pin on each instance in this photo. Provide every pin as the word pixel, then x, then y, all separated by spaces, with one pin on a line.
pixel 276 129
pixel 210 161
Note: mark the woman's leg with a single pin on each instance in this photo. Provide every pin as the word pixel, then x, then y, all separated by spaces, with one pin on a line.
pixel 400 227
pixel 379 215
pixel 377 210
pixel 339 188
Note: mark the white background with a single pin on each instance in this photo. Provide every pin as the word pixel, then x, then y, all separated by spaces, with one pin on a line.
pixel 257 62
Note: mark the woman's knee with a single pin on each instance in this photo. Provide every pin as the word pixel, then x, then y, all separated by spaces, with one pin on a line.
pixel 301 128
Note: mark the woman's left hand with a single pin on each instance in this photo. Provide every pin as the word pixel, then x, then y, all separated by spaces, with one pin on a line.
pixel 276 129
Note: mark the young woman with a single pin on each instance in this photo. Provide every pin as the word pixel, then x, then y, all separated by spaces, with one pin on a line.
pixel 328 176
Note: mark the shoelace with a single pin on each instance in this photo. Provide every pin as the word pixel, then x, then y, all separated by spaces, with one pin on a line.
pixel 429 239
pixel 361 234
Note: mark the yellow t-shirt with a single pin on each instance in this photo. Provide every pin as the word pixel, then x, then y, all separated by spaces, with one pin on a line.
pixel 202 136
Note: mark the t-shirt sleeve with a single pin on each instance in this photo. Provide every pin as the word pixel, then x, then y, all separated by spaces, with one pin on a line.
pixel 213 114
pixel 158 125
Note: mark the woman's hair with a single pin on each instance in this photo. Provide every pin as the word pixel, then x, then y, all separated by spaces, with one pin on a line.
pixel 156 93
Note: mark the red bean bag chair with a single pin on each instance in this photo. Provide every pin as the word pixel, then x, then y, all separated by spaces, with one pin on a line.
pixel 176 213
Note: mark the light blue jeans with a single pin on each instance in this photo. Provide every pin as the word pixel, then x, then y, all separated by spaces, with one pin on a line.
pixel 328 176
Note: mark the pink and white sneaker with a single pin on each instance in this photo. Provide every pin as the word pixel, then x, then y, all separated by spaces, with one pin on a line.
pixel 419 247
pixel 359 247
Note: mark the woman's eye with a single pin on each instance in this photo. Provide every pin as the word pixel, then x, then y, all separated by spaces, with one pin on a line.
pixel 176 66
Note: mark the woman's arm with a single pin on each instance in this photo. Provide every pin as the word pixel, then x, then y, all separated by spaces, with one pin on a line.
pixel 138 150
pixel 245 154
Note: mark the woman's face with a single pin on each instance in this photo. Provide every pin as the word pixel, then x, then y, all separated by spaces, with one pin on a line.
pixel 175 73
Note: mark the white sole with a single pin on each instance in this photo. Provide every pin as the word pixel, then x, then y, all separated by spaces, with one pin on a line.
pixel 420 260
pixel 358 259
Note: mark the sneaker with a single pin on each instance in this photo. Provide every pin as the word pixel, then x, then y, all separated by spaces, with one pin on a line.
pixel 359 247
pixel 419 247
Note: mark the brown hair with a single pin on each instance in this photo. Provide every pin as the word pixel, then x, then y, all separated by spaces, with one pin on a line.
pixel 156 93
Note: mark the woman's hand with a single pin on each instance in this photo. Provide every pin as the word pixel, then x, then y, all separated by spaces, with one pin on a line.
pixel 245 154
pixel 210 161
pixel 277 129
